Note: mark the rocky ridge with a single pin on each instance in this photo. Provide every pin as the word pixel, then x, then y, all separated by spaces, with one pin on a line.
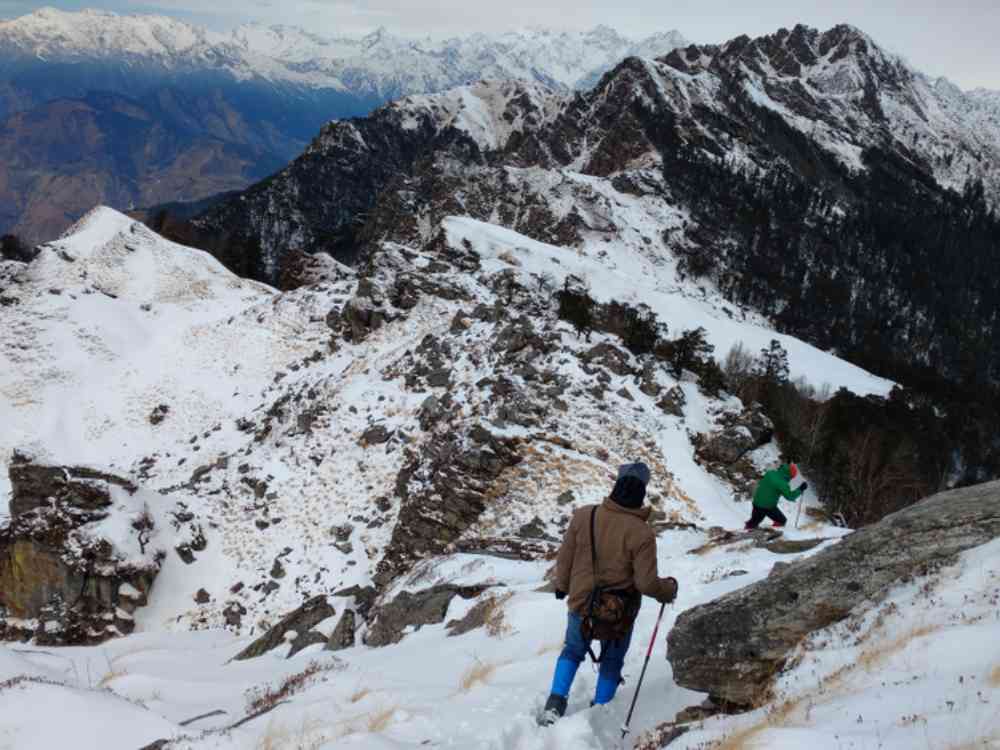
pixel 708 156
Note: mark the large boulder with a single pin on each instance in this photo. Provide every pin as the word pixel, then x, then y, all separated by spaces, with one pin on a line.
pixel 67 574
pixel 296 628
pixel 750 429
pixel 414 610
pixel 733 647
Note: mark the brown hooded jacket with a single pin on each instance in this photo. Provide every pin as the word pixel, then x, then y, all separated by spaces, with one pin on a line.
pixel 626 555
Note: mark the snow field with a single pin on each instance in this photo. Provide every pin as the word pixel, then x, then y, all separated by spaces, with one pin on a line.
pixel 471 691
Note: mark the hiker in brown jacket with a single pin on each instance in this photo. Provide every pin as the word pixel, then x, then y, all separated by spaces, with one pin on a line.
pixel 626 562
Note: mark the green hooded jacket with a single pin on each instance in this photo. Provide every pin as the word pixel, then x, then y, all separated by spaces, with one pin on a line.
pixel 774 485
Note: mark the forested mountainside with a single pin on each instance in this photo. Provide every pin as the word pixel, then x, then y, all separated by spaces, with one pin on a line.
pixel 809 175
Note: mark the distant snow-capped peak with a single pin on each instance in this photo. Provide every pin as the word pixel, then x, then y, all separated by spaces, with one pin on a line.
pixel 380 63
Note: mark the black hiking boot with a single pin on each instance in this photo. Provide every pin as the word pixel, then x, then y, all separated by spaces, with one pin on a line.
pixel 554 709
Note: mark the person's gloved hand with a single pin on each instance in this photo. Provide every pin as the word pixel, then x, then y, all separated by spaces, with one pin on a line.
pixel 804 487
pixel 669 592
pixel 560 594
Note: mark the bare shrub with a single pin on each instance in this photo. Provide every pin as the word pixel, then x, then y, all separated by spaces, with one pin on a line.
pixel 267 696
pixel 738 369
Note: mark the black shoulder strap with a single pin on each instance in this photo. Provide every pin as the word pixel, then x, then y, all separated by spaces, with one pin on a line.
pixel 593 562
pixel 593 544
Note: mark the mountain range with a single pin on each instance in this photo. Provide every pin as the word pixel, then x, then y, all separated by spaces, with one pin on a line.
pixel 803 173
pixel 141 110
pixel 319 507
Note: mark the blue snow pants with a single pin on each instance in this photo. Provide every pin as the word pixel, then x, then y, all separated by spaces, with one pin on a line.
pixel 575 651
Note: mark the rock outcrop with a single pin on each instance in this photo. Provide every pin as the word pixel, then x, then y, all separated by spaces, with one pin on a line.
pixel 733 647
pixel 390 621
pixel 67 576
pixel 749 430
pixel 295 628
pixel 443 492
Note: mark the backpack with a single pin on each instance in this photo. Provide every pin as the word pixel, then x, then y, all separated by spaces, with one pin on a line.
pixel 610 613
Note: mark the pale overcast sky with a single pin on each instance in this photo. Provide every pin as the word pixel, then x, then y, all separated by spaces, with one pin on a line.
pixel 956 39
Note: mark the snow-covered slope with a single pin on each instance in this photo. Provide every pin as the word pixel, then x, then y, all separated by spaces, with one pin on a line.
pixel 377 65
pixel 285 445
pixel 111 321
pixel 123 322
pixel 843 90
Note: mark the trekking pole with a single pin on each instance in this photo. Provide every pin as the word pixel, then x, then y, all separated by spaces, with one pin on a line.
pixel 798 513
pixel 649 652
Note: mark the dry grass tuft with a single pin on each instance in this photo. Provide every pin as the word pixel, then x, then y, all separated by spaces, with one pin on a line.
pixel 549 648
pixel 980 743
pixel 479 673
pixel 360 694
pixel 995 677
pixel 877 653
pixel 495 617
pixel 379 721
pixel 110 677
pixel 309 736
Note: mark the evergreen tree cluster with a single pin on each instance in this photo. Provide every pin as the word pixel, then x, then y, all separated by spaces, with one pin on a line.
pixel 869 456
pixel 885 267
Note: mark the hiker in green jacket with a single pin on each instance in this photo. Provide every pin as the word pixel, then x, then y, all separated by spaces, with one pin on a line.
pixel 770 488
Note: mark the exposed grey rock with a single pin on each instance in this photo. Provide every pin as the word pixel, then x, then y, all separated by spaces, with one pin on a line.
pixel 610 357
pixel 343 635
pixel 647 380
pixel 367 311
pixel 508 548
pixel 422 608
pixel 431 412
pixel 364 598
pixel 729 445
pixel 375 435
pixel 673 402
pixel 749 430
pixel 444 488
pixel 515 336
pixel 566 498
pixel 440 378
pixel 37 485
pixel 343 532
pixel 300 621
pixel 792 546
pixel 158 414
pixel 534 529
pixel 758 423
pixel 233 614
pixel 56 569
pixel 732 648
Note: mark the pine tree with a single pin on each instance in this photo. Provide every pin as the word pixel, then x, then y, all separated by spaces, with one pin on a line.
pixel 772 365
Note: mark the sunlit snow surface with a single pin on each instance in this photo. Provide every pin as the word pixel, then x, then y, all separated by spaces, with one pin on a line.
pixel 139 322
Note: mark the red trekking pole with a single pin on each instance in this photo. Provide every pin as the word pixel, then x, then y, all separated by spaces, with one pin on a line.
pixel 649 652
